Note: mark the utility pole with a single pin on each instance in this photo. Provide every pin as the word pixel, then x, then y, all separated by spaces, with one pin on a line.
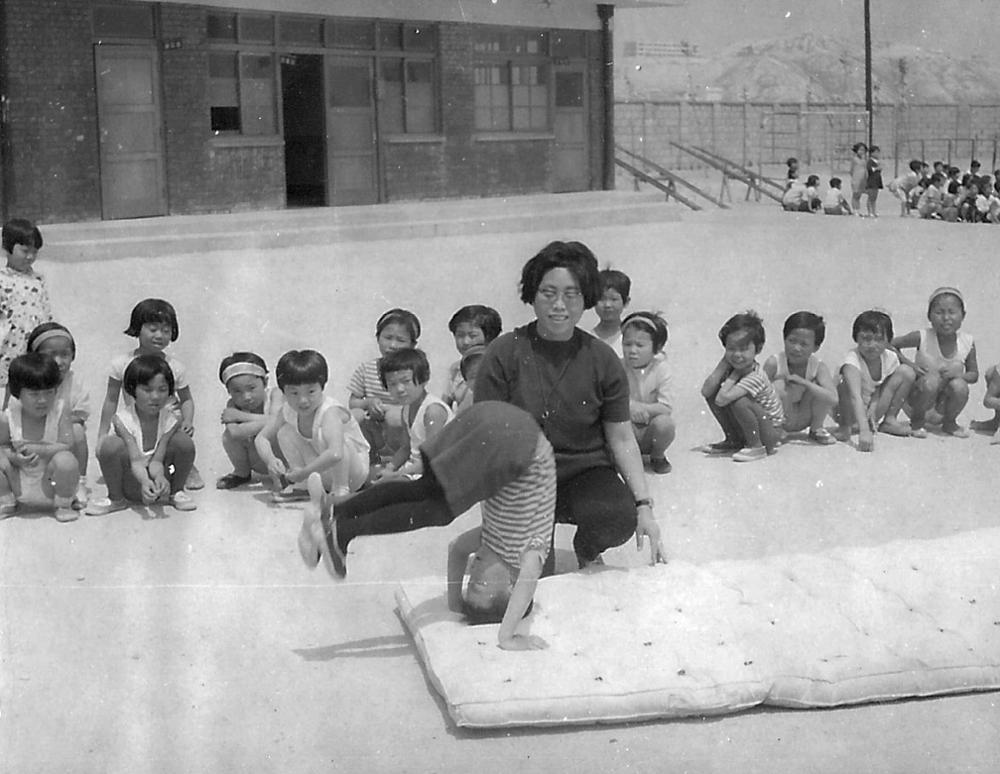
pixel 868 72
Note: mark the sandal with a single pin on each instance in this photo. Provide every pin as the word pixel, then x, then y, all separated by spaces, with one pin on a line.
pixel 232 481
pixel 822 436
pixel 333 558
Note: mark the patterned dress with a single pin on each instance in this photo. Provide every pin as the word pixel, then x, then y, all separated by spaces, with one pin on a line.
pixel 24 304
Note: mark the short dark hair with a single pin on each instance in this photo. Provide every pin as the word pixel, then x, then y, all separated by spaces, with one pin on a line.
pixel 835 182
pixel 301 366
pixel 575 257
pixel 403 317
pixel 874 148
pixel 936 178
pixel 812 180
pixel 613 279
pixel 240 357
pixel 975 164
pixel 152 310
pixel 405 360
pixel 872 321
pixel 144 369
pixel 45 328
pixel 748 320
pixel 473 356
pixel 486 318
pixel 18 231
pixel 791 160
pixel 858 146
pixel 807 320
pixel 916 165
pixel 33 371
pixel 650 322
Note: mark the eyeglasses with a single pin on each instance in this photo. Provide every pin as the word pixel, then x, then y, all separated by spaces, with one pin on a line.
pixel 569 295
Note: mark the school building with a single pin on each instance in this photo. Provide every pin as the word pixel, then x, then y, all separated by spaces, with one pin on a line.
pixel 129 108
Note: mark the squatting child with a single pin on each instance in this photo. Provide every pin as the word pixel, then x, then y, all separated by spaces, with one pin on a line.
pixel 474 325
pixel 644 335
pixel 148 456
pixel 834 202
pixel 944 366
pixel 872 386
pixel 36 439
pixel 24 296
pixel 803 382
pixel 251 404
pixel 315 432
pixel 740 396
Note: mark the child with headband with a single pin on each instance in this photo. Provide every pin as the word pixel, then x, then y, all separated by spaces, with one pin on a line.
pixel 370 402
pixel 945 364
pixel 644 334
pixel 251 404
pixel 55 340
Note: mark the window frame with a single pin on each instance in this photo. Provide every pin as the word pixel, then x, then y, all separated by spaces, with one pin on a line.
pixel 507 59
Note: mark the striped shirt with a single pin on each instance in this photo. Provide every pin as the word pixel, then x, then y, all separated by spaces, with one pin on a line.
pixel 366 383
pixel 761 391
pixel 521 515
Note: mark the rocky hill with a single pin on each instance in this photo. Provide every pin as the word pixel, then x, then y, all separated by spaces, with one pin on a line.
pixel 814 68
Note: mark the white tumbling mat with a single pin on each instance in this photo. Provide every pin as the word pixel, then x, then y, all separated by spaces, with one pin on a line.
pixel 906 619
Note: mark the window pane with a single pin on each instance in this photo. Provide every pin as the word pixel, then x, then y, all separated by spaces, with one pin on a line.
pixel 308 32
pixel 350 85
pixel 569 44
pixel 123 21
pixel 569 89
pixel 225 119
pixel 390 36
pixel 223 83
pixel 259 29
pixel 487 41
pixel 257 94
pixel 352 34
pixel 419 38
pixel 420 97
pixel 392 96
pixel 221 26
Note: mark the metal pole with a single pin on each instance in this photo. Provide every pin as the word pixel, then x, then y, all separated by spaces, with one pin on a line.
pixel 605 13
pixel 868 72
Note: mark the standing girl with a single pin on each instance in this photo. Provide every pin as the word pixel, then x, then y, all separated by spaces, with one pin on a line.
pixel 873 180
pixel 644 334
pixel 945 364
pixel 55 340
pixel 154 323
pixel 149 456
pixel 859 174
pixel 24 298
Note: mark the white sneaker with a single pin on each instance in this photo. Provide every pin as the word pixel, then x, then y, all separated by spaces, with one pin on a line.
pixel 103 506
pixel 182 501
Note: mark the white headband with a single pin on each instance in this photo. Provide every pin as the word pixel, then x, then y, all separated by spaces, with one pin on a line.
pixel 242 369
pixel 51 334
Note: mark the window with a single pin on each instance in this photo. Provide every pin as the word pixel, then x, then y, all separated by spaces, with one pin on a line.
pixel 511 81
pixel 241 80
pixel 408 102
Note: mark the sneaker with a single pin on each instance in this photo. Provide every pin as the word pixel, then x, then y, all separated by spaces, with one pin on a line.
pixel 194 481
pixel 231 481
pixel 290 495
pixel 182 501
pixel 660 465
pixel 726 446
pixel 103 506
pixel 918 432
pixel 333 558
pixel 750 454
pixel 64 509
pixel 822 436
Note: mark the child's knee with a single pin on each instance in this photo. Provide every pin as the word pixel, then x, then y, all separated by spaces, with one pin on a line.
pixel 904 375
pixel 110 447
pixel 958 388
pixel 181 444
pixel 65 463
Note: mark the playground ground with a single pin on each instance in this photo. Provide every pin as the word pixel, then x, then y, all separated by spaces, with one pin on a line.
pixel 197 642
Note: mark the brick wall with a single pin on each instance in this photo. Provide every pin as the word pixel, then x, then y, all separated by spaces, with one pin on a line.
pixel 51 127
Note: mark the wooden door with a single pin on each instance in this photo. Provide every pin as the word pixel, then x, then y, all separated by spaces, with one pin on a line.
pixel 571 170
pixel 352 153
pixel 131 140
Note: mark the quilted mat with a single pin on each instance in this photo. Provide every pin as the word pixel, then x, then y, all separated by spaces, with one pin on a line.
pixel 850 625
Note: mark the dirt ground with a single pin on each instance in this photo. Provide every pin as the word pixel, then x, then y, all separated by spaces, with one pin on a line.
pixel 168 642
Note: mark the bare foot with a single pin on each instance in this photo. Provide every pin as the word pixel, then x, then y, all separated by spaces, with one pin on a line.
pixel 842 434
pixel 894 427
pixel 955 429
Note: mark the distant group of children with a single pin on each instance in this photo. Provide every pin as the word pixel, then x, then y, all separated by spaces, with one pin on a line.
pixel 933 192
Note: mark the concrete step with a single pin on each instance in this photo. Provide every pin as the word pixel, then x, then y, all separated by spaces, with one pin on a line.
pixel 108 240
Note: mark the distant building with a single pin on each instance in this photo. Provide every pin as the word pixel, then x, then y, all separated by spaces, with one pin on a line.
pixel 659 50
pixel 130 108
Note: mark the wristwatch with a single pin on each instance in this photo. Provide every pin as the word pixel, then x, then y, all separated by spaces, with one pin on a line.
pixel 648 501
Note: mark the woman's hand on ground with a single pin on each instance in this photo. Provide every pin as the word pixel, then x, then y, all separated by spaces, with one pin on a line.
pixel 646 527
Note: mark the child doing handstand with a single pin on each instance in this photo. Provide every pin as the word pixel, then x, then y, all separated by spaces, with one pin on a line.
pixel 315 432
pixel 615 289
pixel 644 335
pixel 740 396
pixel 471 326
pixel 493 453
pixel 872 386
pixel 55 340
pixel 251 404
pixel 405 374
pixel 36 437
pixel 148 457
pixel 802 380
pixel 944 366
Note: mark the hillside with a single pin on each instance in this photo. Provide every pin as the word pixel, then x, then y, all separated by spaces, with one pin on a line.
pixel 814 68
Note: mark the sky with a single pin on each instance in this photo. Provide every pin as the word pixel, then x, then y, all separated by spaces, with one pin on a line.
pixel 967 27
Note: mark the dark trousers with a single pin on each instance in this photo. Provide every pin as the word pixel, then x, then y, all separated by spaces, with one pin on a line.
pixel 601 506
pixel 395 506
pixel 744 423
